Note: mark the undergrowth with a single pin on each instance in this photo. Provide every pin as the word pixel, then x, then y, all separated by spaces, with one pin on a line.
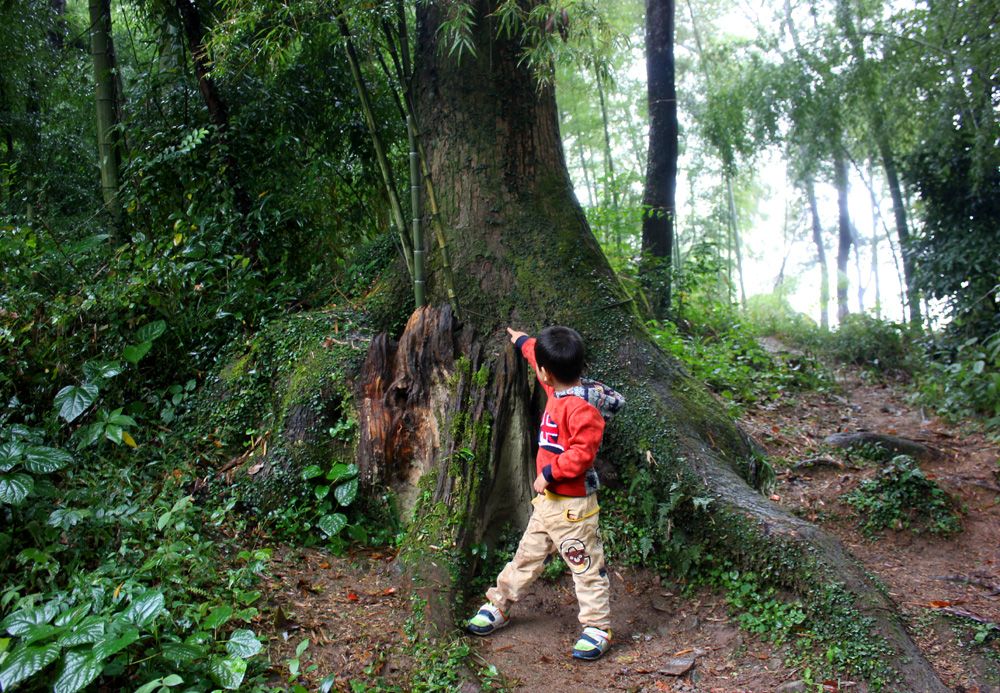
pixel 901 496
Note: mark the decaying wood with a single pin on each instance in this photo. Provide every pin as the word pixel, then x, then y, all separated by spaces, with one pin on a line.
pixel 977 579
pixel 891 444
pixel 819 462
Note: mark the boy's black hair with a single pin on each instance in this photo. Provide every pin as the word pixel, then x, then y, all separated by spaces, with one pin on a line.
pixel 560 351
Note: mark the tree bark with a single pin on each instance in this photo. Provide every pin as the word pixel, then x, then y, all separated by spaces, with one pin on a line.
pixel 659 207
pixel 457 395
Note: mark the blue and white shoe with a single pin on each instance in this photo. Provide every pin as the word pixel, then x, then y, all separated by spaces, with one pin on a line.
pixel 593 643
pixel 488 619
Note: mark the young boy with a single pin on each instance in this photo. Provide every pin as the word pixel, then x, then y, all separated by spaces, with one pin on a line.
pixel 565 515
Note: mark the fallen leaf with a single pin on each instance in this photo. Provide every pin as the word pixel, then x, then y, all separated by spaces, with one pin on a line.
pixel 940 603
pixel 678 666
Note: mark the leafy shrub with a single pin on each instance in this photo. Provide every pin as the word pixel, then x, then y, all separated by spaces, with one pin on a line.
pixel 875 344
pixel 901 496
pixel 965 381
pixel 736 367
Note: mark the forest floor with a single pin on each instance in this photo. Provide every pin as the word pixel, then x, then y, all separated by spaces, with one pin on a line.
pixel 668 640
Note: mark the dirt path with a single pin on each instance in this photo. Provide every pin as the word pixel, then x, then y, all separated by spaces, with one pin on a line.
pixel 354 616
pixel 924 574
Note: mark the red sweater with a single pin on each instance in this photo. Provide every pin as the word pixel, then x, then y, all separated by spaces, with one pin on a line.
pixel 568 439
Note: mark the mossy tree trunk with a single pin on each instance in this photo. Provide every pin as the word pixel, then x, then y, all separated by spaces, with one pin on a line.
pixel 448 412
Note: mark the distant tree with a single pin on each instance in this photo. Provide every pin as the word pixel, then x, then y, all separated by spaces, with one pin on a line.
pixel 659 206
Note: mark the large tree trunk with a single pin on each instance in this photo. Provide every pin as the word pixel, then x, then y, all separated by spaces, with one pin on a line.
pixel 447 414
pixel 658 201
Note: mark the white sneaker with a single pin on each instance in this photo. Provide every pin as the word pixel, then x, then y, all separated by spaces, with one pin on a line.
pixel 487 620
pixel 593 643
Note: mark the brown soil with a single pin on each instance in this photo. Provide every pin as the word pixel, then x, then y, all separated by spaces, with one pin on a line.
pixel 354 614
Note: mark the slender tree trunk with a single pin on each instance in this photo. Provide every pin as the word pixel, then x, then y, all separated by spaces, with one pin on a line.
pixel 609 162
pixel 218 112
pixel 877 120
pixel 658 201
pixel 108 150
pixel 845 236
pixel 585 167
pixel 817 234
pixel 734 235
pixel 902 230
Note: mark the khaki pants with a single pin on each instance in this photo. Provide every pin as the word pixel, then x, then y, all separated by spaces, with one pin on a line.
pixel 567 525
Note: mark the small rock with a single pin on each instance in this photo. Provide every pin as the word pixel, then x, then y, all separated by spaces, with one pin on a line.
pixel 678 666
pixel 796 686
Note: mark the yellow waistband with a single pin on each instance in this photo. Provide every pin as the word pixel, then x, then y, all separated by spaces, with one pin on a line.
pixel 556 496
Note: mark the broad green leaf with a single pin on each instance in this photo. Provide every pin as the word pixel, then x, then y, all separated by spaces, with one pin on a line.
pixel 71 616
pixel 150 686
pixel 228 672
pixel 147 333
pixel 167 681
pixel 341 471
pixel 43 460
pixel 42 631
pixel 145 608
pixel 14 488
pixel 25 662
pixel 243 643
pixel 79 670
pixel 105 649
pixel 66 517
pixel 90 435
pixel 113 433
pixel 332 524
pixel 101 370
pixel 217 617
pixel 181 652
pixel 133 353
pixel 311 471
pixel 321 492
pixel 19 622
pixel 346 492
pixel 10 454
pixel 73 400
pixel 90 630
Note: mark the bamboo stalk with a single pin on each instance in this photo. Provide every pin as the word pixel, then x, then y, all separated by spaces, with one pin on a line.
pixel 418 240
pixel 408 112
pixel 383 160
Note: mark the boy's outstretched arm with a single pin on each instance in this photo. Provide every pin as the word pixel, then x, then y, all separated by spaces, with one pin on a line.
pixel 515 335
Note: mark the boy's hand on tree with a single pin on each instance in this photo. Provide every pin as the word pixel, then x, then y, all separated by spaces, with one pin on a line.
pixel 515 335
pixel 541 483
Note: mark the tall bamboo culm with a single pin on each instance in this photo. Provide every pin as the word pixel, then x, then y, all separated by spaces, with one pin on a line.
pixel 418 238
